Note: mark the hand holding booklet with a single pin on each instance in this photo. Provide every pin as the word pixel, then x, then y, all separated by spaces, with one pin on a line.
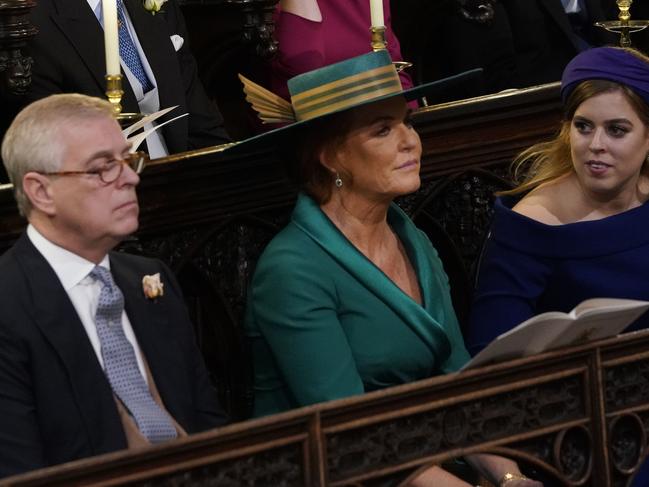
pixel 592 319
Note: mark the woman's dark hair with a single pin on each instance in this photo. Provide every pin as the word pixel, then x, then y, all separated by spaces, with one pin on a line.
pixel 301 152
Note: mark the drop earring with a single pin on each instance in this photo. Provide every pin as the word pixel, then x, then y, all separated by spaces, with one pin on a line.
pixel 338 182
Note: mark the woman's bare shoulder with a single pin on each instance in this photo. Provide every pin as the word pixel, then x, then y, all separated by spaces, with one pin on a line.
pixel 543 204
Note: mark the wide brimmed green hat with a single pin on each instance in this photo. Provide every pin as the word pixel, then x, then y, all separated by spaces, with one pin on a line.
pixel 333 89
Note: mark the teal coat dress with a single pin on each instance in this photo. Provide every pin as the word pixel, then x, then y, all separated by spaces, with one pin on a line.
pixel 325 323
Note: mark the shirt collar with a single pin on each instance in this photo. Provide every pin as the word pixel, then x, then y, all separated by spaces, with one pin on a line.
pixel 95 5
pixel 70 268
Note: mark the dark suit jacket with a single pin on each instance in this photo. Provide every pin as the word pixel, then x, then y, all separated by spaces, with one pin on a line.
pixel 441 42
pixel 69 56
pixel 56 404
pixel 543 37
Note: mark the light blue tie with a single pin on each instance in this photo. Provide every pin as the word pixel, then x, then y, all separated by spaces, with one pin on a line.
pixel 128 51
pixel 121 365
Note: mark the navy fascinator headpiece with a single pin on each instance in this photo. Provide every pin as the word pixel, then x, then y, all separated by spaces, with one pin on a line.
pixel 607 63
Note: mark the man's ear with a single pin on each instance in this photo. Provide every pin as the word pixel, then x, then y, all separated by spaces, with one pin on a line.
pixel 37 189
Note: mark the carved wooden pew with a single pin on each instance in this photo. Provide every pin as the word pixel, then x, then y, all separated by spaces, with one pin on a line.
pixel 579 414
pixel 210 218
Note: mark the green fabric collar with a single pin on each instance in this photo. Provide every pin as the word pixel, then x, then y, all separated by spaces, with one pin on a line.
pixel 309 218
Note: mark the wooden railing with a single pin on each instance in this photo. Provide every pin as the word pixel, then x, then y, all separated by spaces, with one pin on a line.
pixel 578 415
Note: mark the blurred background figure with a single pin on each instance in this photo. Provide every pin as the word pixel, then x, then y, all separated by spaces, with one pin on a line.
pixel 518 43
pixel 159 69
pixel 447 36
pixel 316 33
pixel 547 34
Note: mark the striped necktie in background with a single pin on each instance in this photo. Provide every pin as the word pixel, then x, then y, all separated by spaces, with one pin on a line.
pixel 128 51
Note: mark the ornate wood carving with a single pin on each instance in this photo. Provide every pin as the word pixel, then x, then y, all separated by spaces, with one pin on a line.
pixel 282 467
pixel 15 31
pixel 479 11
pixel 258 25
pixel 549 412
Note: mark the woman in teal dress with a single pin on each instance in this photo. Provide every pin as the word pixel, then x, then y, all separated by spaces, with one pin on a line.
pixel 326 320
pixel 351 297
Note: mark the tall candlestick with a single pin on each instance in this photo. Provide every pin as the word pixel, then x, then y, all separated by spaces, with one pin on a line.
pixel 376 13
pixel 111 39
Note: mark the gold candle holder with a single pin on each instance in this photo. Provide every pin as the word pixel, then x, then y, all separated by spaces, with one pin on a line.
pixel 114 93
pixel 624 26
pixel 378 41
pixel 401 65
pixel 624 6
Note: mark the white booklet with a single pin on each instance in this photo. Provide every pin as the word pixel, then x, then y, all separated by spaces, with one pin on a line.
pixel 590 320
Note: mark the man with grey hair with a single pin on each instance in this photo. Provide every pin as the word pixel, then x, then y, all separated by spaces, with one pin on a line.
pixel 97 352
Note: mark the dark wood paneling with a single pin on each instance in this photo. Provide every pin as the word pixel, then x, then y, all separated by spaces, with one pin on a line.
pixel 579 415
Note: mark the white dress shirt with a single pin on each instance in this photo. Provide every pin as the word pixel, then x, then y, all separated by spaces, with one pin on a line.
pixel 82 290
pixel 148 102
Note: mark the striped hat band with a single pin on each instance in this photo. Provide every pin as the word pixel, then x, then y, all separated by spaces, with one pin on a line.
pixel 346 92
pixel 343 85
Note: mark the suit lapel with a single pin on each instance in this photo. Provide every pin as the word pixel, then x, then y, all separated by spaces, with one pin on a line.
pixel 556 11
pixel 151 32
pixel 79 25
pixel 154 36
pixel 312 221
pixel 59 323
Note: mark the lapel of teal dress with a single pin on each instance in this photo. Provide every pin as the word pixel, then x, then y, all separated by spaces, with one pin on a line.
pixel 311 220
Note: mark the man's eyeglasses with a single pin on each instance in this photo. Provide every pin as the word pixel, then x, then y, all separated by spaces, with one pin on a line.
pixel 111 171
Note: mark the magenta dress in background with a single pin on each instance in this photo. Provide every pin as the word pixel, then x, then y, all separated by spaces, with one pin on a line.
pixel 343 33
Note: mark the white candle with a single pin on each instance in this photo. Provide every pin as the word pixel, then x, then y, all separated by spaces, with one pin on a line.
pixel 376 13
pixel 111 40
